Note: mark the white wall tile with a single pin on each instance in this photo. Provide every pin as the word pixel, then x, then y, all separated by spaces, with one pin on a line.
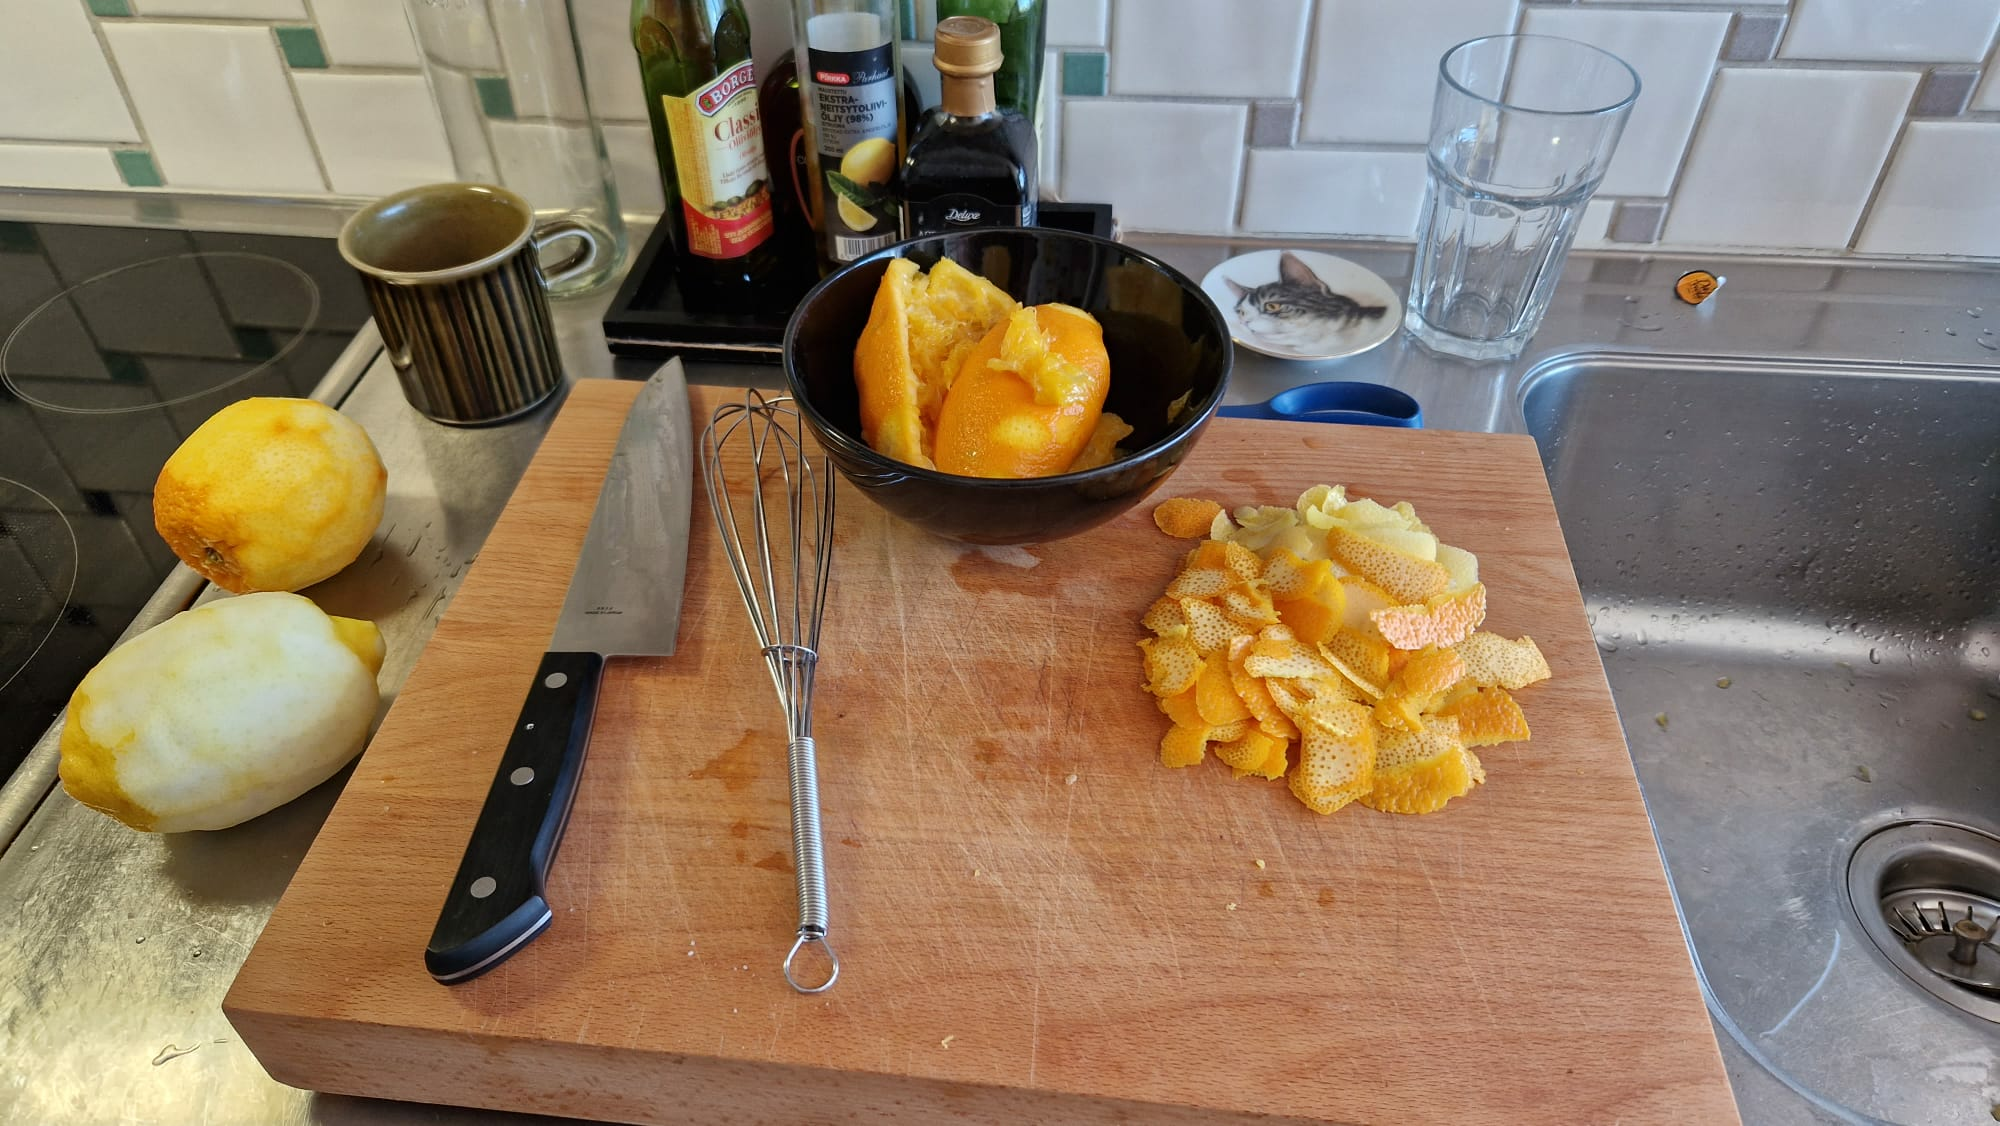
pixel 58 166
pixel 919 64
pixel 460 37
pixel 1938 197
pixel 1898 30
pixel 465 125
pixel 610 65
pixel 54 82
pixel 216 106
pixel 376 133
pixel 1988 97
pixel 770 31
pixel 543 162
pixel 1674 53
pixel 1076 23
pixel 237 9
pixel 635 168
pixel 365 33
pixel 1167 166
pixel 1593 227
pixel 534 41
pixel 1243 49
pixel 1373 73
pixel 1048 127
pixel 1367 194
pixel 1757 177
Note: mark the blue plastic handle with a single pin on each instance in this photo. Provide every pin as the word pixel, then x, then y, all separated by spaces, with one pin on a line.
pixel 1357 404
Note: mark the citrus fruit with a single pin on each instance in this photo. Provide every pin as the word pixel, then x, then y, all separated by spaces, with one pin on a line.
pixel 857 219
pixel 221 713
pixel 919 330
pixel 870 162
pixel 1028 396
pixel 270 494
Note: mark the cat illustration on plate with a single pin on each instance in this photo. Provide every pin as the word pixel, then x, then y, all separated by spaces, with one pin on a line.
pixel 1299 312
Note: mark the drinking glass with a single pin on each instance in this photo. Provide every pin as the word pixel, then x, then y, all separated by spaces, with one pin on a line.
pixel 508 79
pixel 1521 133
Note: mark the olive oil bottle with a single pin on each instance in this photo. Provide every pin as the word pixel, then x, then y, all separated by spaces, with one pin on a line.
pixel 701 94
pixel 972 163
pixel 851 93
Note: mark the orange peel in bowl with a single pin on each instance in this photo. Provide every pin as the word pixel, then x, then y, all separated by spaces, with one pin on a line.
pixel 1027 397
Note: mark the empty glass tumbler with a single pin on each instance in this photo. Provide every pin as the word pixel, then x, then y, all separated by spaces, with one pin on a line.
pixel 1521 133
pixel 509 82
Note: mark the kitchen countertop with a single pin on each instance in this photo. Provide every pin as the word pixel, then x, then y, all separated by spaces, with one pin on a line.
pixel 115 960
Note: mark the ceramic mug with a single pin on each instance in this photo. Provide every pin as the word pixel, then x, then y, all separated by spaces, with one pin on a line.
pixel 453 274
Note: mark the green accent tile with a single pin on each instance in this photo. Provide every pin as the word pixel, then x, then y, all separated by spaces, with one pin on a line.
pixel 110 7
pixel 302 49
pixel 18 238
pixel 137 167
pixel 159 210
pixel 495 98
pixel 124 367
pixel 1083 73
pixel 907 12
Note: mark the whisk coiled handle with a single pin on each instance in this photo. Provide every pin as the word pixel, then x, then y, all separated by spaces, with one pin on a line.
pixel 809 859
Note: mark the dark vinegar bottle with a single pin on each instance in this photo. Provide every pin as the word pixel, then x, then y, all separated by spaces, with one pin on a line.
pixel 972 163
pixel 701 93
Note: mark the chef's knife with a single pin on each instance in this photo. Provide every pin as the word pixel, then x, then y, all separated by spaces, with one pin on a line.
pixel 624 600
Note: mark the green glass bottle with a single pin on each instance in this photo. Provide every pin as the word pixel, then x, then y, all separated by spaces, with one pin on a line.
pixel 1022 39
pixel 701 93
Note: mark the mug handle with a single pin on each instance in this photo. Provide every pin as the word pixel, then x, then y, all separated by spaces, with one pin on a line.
pixel 580 262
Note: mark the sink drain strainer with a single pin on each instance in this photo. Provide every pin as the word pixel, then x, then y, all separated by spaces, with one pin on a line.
pixel 1928 895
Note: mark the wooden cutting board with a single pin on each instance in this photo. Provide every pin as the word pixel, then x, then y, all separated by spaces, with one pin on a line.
pixel 1037 922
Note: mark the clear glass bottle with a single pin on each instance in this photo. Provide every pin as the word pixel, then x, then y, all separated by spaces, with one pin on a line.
pixel 972 163
pixel 701 94
pixel 851 93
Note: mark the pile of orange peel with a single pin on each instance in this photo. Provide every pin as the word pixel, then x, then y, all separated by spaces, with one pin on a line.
pixel 1335 644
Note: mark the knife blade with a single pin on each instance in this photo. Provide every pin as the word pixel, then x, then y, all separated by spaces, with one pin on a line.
pixel 624 600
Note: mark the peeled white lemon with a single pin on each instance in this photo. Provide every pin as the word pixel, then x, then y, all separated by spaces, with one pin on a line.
pixel 221 713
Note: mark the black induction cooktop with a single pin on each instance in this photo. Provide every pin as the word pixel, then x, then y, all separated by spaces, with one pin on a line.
pixel 115 343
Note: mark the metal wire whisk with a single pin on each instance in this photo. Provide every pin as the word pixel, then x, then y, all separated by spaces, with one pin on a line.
pixel 779 539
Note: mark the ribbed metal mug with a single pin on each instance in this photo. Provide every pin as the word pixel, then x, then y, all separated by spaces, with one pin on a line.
pixel 453 273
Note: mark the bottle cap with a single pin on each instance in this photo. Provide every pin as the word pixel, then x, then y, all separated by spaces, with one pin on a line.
pixel 966 47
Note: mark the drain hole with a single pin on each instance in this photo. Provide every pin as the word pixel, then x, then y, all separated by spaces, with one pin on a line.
pixel 1950 932
pixel 1928 896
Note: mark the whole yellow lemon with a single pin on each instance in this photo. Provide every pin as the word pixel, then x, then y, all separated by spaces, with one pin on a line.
pixel 221 713
pixel 271 494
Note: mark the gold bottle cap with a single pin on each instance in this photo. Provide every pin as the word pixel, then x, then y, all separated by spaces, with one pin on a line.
pixel 966 47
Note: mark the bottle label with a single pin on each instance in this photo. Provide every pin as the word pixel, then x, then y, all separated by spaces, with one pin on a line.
pixel 854 104
pixel 959 211
pixel 719 160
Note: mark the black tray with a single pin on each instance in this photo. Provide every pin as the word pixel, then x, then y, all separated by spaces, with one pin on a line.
pixel 649 318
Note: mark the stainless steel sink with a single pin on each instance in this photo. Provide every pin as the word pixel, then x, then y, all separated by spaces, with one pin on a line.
pixel 1793 572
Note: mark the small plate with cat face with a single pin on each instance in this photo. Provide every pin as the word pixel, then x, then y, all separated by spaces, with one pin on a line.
pixel 1303 305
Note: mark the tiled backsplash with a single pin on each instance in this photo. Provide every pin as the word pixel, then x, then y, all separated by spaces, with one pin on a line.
pixel 1816 125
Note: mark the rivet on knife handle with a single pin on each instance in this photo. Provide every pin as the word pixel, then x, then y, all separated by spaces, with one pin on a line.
pixel 779 539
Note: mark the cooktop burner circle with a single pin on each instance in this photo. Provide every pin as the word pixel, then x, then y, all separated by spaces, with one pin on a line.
pixel 31 609
pixel 180 371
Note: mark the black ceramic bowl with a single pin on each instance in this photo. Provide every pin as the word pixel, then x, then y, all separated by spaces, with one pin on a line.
pixel 1164 338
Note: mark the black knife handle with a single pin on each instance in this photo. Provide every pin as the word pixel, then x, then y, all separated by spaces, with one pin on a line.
pixel 498 899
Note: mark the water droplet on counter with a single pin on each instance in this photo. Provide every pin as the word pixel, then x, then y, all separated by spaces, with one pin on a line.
pixel 170 1052
pixel 1950 331
pixel 1874 658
